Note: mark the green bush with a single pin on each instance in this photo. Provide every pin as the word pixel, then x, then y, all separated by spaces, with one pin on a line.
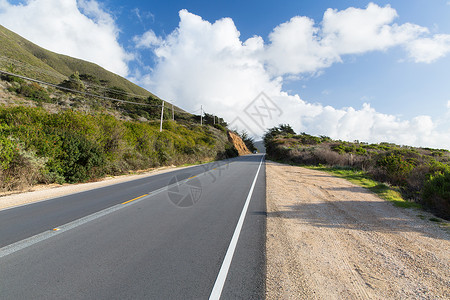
pixel 74 83
pixel 230 151
pixel 34 91
pixel 7 152
pixel 436 193
pixel 81 159
pixel 396 167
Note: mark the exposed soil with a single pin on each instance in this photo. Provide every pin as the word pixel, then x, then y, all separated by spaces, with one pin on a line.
pixel 330 239
pixel 238 143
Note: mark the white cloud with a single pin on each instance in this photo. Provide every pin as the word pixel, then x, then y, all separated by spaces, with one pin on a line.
pixel 81 29
pixel 295 48
pixel 147 40
pixel 207 63
pixel 356 30
pixel 428 50
pixel 299 46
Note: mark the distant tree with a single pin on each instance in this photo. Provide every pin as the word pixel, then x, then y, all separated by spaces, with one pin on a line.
pixel 282 129
pixel 286 129
pixel 248 141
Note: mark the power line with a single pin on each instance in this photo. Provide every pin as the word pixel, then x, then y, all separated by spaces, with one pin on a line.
pixel 15 63
pixel 105 89
pixel 42 71
pixel 75 91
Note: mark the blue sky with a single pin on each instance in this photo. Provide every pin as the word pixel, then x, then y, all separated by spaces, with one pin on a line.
pixel 369 70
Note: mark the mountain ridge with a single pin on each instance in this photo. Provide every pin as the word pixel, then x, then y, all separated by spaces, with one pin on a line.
pixel 26 58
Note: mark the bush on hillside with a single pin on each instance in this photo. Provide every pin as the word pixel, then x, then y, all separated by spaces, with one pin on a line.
pixel 74 83
pixel 436 193
pixel 37 146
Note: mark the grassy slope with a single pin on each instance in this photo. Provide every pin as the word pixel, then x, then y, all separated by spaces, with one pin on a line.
pixel 39 63
pixel 41 147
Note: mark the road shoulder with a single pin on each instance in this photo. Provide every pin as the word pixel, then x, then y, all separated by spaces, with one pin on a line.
pixel 328 238
pixel 45 192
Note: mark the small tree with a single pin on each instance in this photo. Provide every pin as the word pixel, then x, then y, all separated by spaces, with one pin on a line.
pixel 248 141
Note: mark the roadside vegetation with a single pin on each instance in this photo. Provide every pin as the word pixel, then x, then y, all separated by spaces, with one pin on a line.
pixel 54 136
pixel 69 146
pixel 407 176
pixel 75 121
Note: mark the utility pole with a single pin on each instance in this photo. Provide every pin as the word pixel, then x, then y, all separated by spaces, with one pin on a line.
pixel 214 120
pixel 162 115
pixel 173 114
pixel 201 115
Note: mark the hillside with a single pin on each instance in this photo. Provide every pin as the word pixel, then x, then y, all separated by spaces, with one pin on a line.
pixel 67 120
pixel 421 175
pixel 23 57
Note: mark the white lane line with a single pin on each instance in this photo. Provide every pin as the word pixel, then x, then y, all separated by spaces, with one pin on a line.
pixel 25 243
pixel 220 281
pixel 68 226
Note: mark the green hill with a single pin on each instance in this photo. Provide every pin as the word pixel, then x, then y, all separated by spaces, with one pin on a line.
pixel 23 57
pixel 77 122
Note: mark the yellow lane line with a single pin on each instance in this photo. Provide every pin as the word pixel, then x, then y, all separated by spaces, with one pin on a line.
pixel 192 177
pixel 135 199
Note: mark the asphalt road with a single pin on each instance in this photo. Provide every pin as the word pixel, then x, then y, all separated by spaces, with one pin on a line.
pixel 161 237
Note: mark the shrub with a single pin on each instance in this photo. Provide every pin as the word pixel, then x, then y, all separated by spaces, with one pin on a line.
pixel 81 159
pixel 396 166
pixel 20 167
pixel 230 151
pixel 74 83
pixel 34 91
pixel 436 193
pixel 7 152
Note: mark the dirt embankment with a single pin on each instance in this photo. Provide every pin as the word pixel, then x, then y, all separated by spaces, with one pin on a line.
pixel 238 143
pixel 330 239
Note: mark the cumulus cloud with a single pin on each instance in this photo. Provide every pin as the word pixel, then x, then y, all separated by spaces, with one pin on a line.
pixel 299 45
pixel 147 40
pixel 428 50
pixel 80 29
pixel 208 63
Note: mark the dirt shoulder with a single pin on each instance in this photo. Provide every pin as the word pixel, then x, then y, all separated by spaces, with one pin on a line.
pixel 44 192
pixel 330 239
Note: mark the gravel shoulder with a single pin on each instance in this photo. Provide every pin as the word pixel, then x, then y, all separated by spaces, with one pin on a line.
pixel 330 239
pixel 44 192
